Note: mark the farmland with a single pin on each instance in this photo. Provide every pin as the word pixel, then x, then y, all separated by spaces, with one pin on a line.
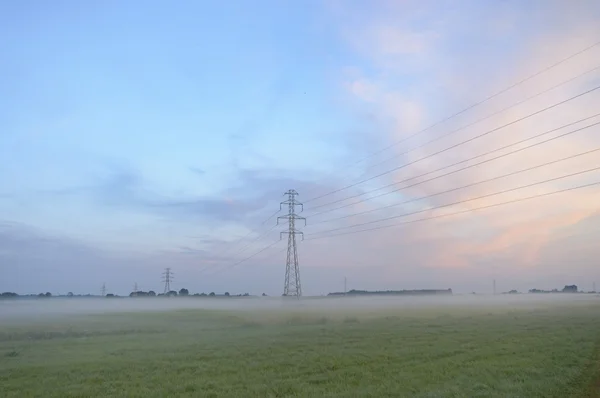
pixel 458 347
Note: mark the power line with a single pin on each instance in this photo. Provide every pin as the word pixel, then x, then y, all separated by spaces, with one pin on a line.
pixel 248 258
pixel 470 107
pixel 249 244
pixel 456 164
pixel 556 239
pixel 459 212
pixel 473 123
pixel 458 202
pixel 458 144
pixel 245 247
pixel 230 248
pixel 294 276
pixel 257 239
pixel 456 171
pixel 252 231
pixel 504 109
pixel 465 186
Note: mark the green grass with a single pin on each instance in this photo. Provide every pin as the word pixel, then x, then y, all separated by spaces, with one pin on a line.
pixel 528 351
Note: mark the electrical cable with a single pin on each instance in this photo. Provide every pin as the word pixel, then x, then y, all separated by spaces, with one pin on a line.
pixel 229 248
pixel 459 212
pixel 504 109
pixel 458 202
pixel 248 258
pixel 463 142
pixel 464 186
pixel 463 168
pixel 547 68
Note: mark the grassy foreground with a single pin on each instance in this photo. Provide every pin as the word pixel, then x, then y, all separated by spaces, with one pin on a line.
pixel 504 352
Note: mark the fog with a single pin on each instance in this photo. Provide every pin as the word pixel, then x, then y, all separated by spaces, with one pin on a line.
pixel 34 308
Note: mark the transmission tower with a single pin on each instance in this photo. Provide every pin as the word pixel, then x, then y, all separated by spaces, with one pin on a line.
pixel 103 289
pixel 292 285
pixel 167 279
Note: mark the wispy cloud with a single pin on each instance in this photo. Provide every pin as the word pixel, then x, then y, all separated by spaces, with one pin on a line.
pixel 185 199
pixel 404 105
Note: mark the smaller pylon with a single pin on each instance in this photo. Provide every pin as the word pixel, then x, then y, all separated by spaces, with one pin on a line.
pixel 167 279
pixel 104 289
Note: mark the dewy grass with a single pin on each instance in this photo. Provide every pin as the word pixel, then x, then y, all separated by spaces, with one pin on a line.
pixel 527 351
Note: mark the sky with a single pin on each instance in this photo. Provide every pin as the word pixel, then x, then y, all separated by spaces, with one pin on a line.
pixel 136 136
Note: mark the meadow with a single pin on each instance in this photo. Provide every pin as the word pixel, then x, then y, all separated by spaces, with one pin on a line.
pixel 343 347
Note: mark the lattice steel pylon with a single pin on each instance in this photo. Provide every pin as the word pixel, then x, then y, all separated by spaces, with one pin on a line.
pixel 292 286
pixel 167 279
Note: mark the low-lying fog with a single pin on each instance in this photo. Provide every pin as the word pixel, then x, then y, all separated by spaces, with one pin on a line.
pixel 42 307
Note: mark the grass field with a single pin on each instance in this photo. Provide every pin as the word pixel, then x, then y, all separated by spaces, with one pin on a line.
pixel 536 349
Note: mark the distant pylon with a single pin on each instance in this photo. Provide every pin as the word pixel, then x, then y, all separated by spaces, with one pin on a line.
pixel 167 279
pixel 292 286
pixel 103 289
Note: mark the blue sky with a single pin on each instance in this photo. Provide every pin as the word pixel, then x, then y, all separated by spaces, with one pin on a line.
pixel 140 135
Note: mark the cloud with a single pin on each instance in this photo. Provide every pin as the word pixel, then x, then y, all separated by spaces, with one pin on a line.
pixel 197 170
pixel 407 66
pixel 403 105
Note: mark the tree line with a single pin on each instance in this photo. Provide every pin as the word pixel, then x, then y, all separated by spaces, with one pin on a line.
pixel 173 293
pixel 183 293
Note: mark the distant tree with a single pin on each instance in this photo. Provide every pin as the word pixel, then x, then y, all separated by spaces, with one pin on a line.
pixel 203 294
pixel 151 293
pixel 110 295
pixel 70 294
pixel 48 294
pixel 212 294
pixel 246 294
pixel 183 292
pixel 172 293
pixel 570 289
pixel 9 294
pixel 264 294
pixel 41 295
pixel 227 294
